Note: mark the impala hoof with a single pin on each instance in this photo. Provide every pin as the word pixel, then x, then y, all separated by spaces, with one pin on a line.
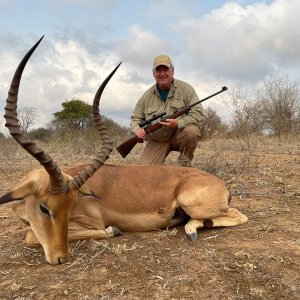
pixel 192 236
pixel 113 231
pixel 116 231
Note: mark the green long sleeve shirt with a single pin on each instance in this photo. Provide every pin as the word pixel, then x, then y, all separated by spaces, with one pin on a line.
pixel 181 95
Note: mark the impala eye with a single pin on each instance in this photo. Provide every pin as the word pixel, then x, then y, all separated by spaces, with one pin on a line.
pixel 44 210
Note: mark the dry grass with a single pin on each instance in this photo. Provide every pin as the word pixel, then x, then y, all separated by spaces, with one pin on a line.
pixel 259 260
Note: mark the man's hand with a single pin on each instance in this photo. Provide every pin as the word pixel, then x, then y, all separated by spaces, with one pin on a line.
pixel 140 133
pixel 170 123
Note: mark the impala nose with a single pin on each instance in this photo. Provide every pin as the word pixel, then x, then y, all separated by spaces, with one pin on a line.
pixel 60 261
pixel 57 260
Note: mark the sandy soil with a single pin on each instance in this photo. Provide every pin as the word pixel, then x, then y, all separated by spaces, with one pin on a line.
pixel 258 260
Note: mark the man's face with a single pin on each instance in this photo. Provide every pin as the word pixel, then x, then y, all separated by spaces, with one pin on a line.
pixel 164 76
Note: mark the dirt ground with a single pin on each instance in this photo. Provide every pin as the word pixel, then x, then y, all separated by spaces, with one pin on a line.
pixel 258 260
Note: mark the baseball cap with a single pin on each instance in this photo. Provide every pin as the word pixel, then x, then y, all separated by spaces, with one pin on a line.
pixel 162 60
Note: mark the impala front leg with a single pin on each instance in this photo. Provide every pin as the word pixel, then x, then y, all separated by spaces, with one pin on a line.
pixel 96 234
pixel 31 239
pixel 80 234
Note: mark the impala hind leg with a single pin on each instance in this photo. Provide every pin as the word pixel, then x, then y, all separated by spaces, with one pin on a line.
pixel 232 218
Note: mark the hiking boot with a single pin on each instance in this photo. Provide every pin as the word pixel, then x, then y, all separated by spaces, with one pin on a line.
pixel 184 161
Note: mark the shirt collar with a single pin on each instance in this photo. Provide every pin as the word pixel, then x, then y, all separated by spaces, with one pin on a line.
pixel 173 87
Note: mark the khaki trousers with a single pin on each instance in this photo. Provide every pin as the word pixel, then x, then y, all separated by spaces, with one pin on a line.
pixel 184 140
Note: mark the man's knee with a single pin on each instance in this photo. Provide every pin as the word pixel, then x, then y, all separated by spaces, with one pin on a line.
pixel 191 132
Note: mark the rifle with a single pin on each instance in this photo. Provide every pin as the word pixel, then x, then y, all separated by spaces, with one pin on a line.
pixel 129 144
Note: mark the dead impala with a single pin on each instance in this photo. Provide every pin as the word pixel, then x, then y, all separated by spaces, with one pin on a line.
pixel 96 201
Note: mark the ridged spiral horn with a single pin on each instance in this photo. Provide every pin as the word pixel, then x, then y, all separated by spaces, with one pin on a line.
pixel 106 147
pixel 57 183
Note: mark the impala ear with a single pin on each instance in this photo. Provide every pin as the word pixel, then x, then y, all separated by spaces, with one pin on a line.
pixel 8 197
pixel 86 191
pixel 26 188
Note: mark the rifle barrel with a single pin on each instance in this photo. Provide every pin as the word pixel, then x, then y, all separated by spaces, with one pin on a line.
pixel 224 88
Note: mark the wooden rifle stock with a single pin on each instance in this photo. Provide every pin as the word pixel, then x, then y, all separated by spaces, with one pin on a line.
pixel 125 148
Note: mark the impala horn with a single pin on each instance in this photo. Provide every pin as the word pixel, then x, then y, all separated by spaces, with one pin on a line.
pixel 107 145
pixel 57 183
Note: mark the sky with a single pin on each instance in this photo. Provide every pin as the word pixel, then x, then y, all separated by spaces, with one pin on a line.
pixel 211 43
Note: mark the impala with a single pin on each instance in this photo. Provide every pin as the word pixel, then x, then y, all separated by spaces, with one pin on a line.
pixel 96 201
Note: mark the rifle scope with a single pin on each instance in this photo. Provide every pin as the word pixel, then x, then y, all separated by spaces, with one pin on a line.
pixel 155 117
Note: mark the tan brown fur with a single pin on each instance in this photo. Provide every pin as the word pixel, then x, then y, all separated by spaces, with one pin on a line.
pixel 125 197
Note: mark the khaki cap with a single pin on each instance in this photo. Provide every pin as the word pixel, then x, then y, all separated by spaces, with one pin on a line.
pixel 162 60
